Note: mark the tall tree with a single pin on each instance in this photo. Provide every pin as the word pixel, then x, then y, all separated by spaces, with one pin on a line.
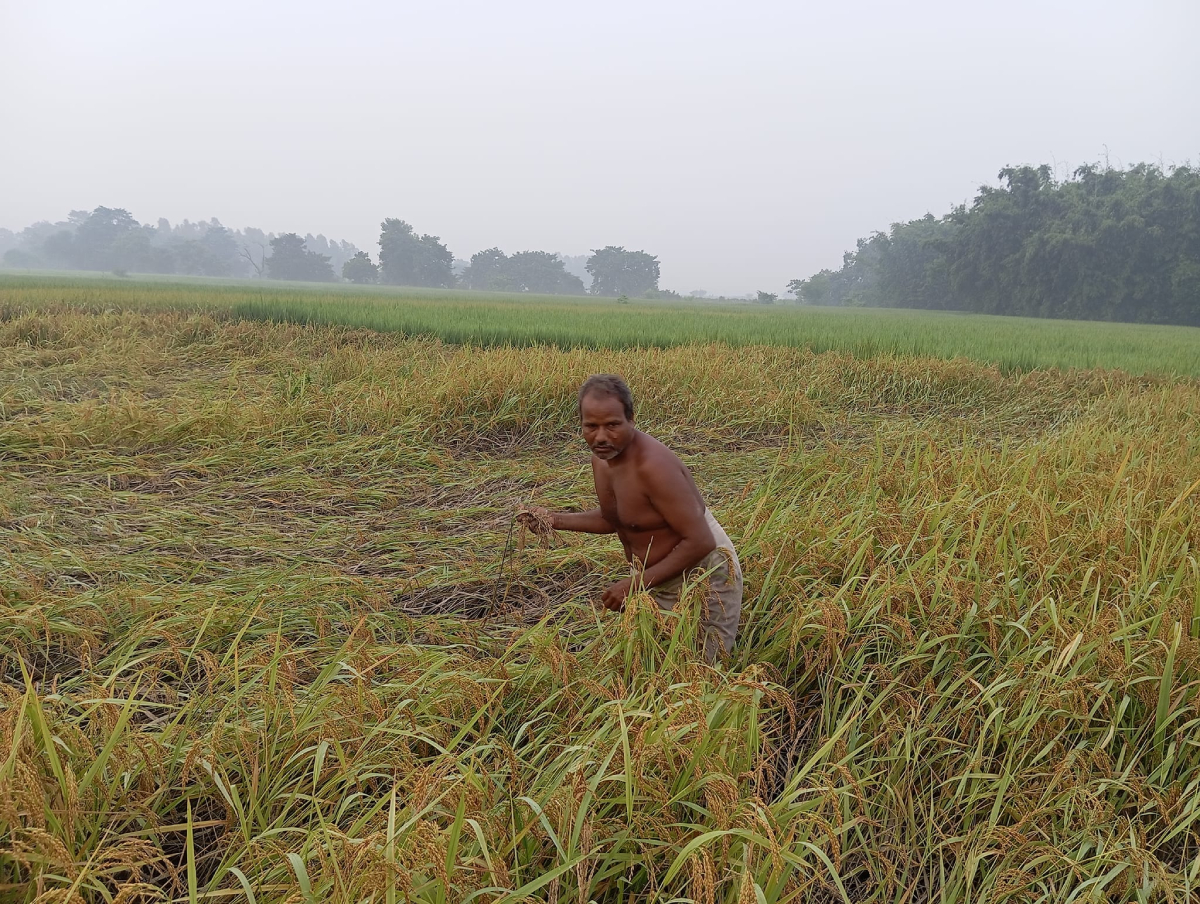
pixel 291 260
pixel 16 257
pixel 616 271
pixel 408 259
pixel 542 272
pixel 360 269
pixel 59 249
pixel 487 270
pixel 223 251
pixel 135 251
pixel 92 244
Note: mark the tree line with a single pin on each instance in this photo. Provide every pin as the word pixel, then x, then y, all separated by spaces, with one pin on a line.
pixel 409 258
pixel 1103 244
pixel 111 239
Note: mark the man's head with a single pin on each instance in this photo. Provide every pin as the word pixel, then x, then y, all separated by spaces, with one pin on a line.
pixel 606 415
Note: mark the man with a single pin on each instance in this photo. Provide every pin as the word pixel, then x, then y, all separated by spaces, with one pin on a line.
pixel 648 498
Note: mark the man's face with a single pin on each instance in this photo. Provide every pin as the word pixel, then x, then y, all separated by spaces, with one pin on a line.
pixel 606 430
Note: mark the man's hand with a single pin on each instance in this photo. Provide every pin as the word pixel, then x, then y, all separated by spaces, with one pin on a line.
pixel 614 596
pixel 536 518
pixel 539 522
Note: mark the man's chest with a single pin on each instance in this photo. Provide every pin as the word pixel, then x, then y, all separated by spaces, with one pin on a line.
pixel 626 503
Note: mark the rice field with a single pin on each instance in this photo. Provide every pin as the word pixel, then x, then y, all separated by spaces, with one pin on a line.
pixel 268 634
pixel 497 319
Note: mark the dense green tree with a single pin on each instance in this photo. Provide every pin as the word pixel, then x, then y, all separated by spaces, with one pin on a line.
pixel 361 269
pixel 814 290
pixel 223 251
pixel 17 257
pixel 616 271
pixel 59 249
pixel 408 259
pixel 135 251
pixel 290 259
pixel 542 272
pixel 1104 244
pixel 111 239
pixel 195 258
pixel 8 240
pixel 91 247
pixel 486 271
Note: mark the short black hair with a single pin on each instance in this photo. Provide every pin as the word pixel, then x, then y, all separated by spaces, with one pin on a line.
pixel 609 385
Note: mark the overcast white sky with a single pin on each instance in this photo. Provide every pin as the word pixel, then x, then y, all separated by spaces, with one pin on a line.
pixel 743 143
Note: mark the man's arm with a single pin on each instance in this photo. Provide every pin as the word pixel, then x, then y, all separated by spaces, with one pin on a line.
pixel 592 522
pixel 674 495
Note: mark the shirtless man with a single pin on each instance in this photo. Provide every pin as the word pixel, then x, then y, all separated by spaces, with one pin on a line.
pixel 649 500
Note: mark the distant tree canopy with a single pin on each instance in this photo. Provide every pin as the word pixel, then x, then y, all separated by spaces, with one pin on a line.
pixel 577 265
pixel 290 259
pixel 360 269
pixel 486 270
pixel 616 271
pixel 1103 245
pixel 526 271
pixel 111 239
pixel 15 257
pixel 408 259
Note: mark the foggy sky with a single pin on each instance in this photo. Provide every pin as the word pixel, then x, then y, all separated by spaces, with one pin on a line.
pixel 743 143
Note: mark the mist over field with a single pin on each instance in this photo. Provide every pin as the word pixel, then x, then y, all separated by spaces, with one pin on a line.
pixel 743 149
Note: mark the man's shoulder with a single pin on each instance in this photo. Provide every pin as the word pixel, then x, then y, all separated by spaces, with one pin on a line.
pixel 656 455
